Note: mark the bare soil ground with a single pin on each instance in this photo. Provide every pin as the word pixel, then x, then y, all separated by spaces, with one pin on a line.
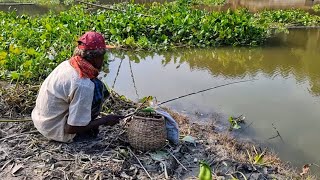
pixel 26 154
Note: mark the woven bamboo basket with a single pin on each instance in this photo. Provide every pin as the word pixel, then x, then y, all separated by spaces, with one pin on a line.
pixel 147 134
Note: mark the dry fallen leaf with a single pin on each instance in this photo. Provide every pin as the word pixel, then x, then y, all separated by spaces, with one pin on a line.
pixel 305 169
pixel 124 175
pixel 16 168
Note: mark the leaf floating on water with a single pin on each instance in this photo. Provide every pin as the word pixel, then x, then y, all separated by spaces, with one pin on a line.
pixel 305 169
pixel 189 139
pixel 234 122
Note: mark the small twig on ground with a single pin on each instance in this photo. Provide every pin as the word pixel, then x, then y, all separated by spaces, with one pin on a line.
pixel 242 175
pixel 112 140
pixel 97 176
pixel 15 120
pixel 132 153
pixel 231 174
pixel 6 164
pixel 65 159
pixel 18 135
pixel 164 168
pixel 177 160
pixel 278 134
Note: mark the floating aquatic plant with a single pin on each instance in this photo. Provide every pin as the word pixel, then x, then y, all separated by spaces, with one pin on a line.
pixel 32 46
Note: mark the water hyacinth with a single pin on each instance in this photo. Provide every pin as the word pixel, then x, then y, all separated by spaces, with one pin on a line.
pixel 47 40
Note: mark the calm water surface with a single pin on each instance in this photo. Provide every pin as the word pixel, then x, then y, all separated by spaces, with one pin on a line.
pixel 255 5
pixel 286 92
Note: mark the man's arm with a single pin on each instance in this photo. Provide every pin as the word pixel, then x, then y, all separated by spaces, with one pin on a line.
pixel 109 120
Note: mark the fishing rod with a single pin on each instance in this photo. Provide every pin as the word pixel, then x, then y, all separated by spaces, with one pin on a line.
pixel 164 102
pixel 173 99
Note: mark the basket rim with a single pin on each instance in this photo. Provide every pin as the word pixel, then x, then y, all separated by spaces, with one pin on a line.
pixel 149 118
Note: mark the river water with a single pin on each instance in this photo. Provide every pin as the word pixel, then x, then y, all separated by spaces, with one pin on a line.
pixel 285 93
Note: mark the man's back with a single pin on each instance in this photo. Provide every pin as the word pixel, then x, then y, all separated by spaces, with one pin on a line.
pixel 63 97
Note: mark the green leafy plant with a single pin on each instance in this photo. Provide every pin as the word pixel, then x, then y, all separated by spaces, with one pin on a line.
pixel 233 124
pixel 148 110
pixel 205 171
pixel 316 8
pixel 146 99
pixel 32 46
pixel 235 121
pixel 257 158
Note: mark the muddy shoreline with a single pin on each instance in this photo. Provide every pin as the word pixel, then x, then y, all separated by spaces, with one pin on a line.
pixel 26 154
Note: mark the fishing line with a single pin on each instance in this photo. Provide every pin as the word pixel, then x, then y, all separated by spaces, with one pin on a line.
pixel 179 97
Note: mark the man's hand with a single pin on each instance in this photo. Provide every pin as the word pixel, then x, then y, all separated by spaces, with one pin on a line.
pixel 112 119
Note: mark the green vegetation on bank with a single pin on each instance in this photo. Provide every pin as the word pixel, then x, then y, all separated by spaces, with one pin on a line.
pixel 42 2
pixel 316 8
pixel 67 2
pixel 31 47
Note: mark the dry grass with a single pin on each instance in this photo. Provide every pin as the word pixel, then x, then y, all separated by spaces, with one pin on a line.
pixel 17 101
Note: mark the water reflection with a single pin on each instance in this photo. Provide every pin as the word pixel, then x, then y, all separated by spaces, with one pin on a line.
pixel 297 53
pixel 286 92
pixel 255 5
